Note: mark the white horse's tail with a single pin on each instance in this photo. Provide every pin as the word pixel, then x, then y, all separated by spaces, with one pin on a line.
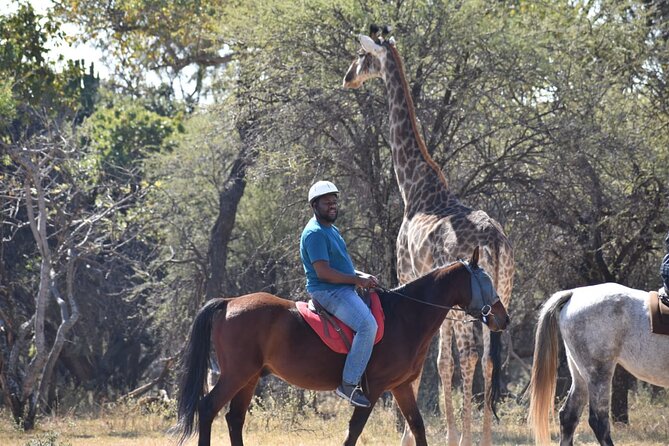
pixel 544 367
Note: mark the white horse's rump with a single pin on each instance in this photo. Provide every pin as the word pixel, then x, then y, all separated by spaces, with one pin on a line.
pixel 601 326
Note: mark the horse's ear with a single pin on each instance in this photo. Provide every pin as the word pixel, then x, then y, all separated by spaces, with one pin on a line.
pixel 474 262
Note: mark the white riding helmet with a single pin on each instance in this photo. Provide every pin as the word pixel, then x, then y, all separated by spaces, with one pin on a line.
pixel 320 188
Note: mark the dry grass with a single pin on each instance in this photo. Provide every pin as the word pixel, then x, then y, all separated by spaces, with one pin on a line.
pixel 298 423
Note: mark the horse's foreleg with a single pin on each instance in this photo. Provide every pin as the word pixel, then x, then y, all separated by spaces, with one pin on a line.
pixel 357 422
pixel 406 400
pixel 407 436
pixel 571 411
pixel 237 413
pixel 446 366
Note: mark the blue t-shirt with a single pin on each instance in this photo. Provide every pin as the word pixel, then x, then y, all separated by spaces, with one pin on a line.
pixel 323 243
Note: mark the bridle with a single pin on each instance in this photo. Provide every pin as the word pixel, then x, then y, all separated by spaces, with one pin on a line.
pixel 479 294
pixel 478 297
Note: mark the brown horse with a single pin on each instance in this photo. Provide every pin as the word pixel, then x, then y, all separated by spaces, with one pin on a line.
pixel 258 334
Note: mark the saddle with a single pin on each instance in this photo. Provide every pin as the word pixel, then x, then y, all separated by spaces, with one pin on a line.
pixel 659 314
pixel 332 331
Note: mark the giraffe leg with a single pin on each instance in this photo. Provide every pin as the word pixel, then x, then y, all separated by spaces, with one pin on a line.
pixel 445 365
pixel 464 335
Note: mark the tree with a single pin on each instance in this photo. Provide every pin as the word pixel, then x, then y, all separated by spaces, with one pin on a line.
pixel 182 40
pixel 544 114
pixel 32 91
pixel 80 214
pixel 64 232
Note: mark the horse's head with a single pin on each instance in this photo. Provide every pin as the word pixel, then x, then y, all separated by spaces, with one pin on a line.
pixel 485 303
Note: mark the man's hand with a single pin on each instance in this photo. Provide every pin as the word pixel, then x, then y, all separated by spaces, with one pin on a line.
pixel 365 280
pixel 328 274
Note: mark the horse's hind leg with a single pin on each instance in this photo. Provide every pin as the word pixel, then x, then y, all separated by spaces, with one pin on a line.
pixel 572 409
pixel 600 394
pixel 237 413
pixel 211 404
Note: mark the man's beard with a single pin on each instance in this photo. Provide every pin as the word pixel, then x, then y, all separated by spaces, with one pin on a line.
pixel 326 217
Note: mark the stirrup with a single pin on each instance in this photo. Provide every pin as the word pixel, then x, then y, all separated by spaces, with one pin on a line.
pixel 353 394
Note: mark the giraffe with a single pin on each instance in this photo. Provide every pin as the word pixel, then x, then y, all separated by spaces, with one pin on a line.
pixel 436 229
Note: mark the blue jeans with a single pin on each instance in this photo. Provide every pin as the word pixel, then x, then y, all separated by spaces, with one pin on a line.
pixel 347 306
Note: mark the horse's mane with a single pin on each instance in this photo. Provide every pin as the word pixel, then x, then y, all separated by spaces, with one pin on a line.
pixel 390 299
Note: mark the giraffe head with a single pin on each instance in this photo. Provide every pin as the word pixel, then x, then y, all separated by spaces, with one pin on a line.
pixel 371 59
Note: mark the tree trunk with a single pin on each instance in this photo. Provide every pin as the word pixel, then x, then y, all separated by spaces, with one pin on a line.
pixel 229 199
pixel 27 385
pixel 68 319
pixel 28 381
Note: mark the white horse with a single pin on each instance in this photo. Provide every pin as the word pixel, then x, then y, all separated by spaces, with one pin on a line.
pixel 601 326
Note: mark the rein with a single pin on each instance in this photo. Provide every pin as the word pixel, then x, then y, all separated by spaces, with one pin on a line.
pixel 443 307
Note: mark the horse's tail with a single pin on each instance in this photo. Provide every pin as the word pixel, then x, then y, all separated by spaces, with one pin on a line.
pixel 194 367
pixel 544 367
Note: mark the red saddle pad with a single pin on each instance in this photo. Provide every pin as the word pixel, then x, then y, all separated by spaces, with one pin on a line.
pixel 332 339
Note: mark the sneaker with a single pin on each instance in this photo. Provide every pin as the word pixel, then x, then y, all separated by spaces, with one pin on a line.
pixel 353 393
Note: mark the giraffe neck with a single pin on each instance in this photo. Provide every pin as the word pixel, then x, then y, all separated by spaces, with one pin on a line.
pixel 422 184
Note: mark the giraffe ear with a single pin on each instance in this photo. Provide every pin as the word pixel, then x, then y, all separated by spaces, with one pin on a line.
pixel 369 45
pixel 474 262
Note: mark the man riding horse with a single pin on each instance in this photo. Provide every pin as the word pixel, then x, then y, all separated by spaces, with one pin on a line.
pixel 331 281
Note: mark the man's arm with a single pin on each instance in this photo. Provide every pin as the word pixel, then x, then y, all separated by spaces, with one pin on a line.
pixel 330 275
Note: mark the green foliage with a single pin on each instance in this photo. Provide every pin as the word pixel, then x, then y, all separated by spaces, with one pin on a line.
pixel 180 210
pixel 121 134
pixel 7 104
pixel 24 36
pixel 38 91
